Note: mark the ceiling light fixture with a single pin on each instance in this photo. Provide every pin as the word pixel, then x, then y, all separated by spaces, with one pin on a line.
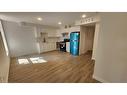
pixel 83 16
pixel 39 18
pixel 59 23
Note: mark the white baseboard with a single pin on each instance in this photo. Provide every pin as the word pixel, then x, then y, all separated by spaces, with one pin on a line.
pixel 100 79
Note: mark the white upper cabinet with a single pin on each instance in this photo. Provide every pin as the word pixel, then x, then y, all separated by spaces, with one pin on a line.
pixel 58 33
pixel 67 30
pixel 71 29
pixel 52 33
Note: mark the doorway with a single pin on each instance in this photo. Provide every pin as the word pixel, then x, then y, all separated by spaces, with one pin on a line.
pixel 87 38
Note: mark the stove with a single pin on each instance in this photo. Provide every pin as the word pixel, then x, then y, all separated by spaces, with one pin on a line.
pixel 63 46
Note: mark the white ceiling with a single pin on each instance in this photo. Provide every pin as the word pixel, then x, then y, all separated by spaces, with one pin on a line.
pixel 49 18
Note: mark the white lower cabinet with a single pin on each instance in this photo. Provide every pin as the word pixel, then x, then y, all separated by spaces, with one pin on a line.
pixel 44 47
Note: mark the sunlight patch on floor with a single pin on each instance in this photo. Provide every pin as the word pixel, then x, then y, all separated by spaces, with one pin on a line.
pixel 23 61
pixel 32 60
pixel 37 60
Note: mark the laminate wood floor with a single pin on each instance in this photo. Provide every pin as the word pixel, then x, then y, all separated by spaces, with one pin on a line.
pixel 61 67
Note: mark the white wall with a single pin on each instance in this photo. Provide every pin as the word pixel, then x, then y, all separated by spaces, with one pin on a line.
pixel 82 40
pixel 96 34
pixel 4 61
pixel 21 39
pixel 111 54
